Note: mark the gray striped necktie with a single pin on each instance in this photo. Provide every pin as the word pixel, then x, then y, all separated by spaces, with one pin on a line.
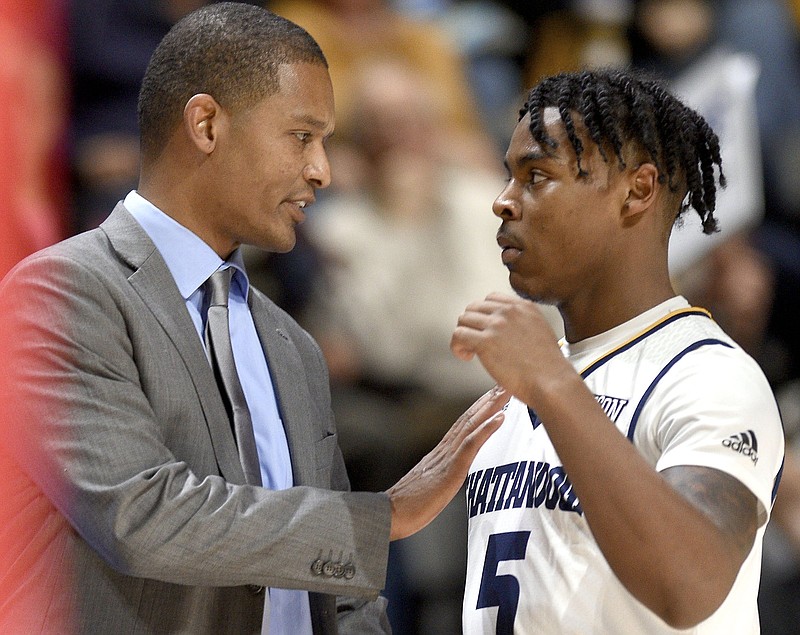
pixel 218 344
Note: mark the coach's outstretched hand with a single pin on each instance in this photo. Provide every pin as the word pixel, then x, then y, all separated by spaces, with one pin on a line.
pixel 423 493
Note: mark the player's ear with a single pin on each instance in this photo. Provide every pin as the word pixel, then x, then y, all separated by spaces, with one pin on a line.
pixel 202 120
pixel 642 188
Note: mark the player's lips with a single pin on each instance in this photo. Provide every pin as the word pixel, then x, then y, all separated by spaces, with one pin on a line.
pixel 511 251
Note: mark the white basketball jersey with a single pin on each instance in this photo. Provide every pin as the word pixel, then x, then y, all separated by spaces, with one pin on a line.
pixel 684 394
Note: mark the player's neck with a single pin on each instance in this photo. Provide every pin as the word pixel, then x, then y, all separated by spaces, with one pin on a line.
pixel 589 317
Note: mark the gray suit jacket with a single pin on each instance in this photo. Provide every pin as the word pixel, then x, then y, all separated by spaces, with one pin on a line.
pixel 127 508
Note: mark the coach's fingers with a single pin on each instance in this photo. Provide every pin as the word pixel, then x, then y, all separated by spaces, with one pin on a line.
pixel 419 496
pixel 486 406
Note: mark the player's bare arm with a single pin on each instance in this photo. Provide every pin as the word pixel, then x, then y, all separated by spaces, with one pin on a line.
pixel 732 509
pixel 671 554
pixel 675 540
pixel 725 500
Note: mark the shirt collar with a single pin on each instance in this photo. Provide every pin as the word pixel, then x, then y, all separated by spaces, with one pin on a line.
pixel 624 331
pixel 189 259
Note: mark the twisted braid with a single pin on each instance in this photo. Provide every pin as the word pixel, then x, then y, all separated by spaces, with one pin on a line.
pixel 621 108
pixel 588 104
pixel 569 124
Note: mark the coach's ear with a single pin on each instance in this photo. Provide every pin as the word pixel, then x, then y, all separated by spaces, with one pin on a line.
pixel 202 120
pixel 643 188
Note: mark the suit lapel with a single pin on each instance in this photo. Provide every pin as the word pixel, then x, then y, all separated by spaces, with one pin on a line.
pixel 291 388
pixel 155 285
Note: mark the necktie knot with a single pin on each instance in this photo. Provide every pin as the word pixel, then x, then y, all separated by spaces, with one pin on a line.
pixel 218 286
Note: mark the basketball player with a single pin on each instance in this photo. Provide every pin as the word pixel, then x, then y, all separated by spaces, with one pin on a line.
pixel 629 488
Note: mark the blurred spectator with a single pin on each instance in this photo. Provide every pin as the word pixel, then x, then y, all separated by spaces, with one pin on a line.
pixel 409 246
pixel 492 39
pixel 769 31
pixel 766 29
pixel 688 41
pixel 355 32
pixel 677 40
pixel 33 117
pixel 576 34
pixel 111 42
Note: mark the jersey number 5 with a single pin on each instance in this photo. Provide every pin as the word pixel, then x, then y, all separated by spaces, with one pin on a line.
pixel 502 591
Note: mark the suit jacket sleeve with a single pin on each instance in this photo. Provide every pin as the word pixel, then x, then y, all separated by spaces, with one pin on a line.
pixel 109 421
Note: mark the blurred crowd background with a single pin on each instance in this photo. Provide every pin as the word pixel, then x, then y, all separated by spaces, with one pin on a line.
pixel 427 94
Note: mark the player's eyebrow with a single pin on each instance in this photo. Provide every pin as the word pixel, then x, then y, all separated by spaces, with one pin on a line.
pixel 528 157
pixel 534 155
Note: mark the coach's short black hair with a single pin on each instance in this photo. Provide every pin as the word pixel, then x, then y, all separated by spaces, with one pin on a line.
pixel 620 108
pixel 229 50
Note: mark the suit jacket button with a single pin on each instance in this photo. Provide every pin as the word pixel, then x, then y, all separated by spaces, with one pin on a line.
pixel 316 566
pixel 255 589
pixel 349 571
pixel 327 569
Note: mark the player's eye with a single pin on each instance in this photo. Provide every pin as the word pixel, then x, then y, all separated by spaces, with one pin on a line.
pixel 536 178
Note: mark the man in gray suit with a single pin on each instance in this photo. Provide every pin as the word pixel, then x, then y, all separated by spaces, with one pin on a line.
pixel 127 503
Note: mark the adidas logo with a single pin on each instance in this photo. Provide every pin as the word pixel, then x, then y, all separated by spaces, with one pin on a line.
pixel 743 443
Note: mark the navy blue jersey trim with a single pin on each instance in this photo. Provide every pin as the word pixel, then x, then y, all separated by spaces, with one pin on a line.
pixel 595 365
pixel 535 420
pixel 778 480
pixel 670 364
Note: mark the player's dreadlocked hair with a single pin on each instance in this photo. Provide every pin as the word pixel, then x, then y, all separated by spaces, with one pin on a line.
pixel 619 108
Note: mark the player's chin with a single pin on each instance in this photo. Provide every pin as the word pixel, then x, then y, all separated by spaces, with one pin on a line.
pixel 522 285
pixel 527 290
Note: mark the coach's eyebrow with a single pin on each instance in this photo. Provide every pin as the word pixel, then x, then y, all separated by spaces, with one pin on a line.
pixel 314 122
